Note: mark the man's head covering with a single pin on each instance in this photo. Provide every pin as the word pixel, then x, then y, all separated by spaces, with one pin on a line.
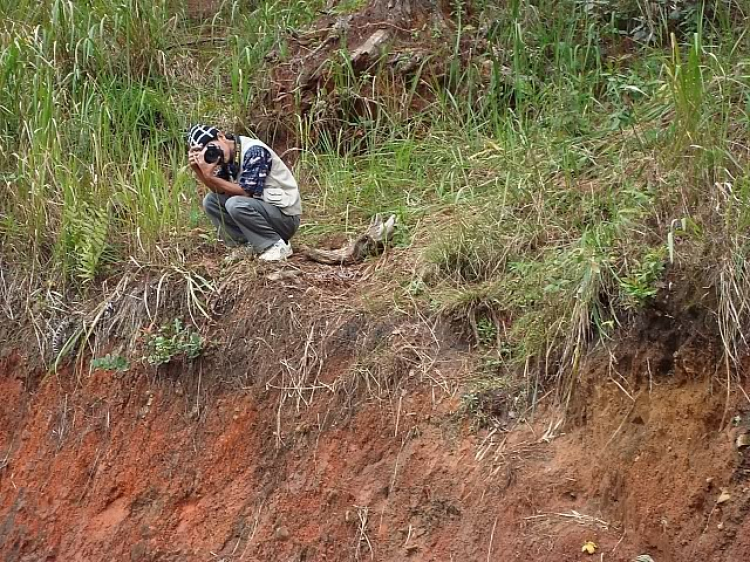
pixel 201 135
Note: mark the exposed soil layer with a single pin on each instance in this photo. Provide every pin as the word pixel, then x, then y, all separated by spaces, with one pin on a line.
pixel 150 468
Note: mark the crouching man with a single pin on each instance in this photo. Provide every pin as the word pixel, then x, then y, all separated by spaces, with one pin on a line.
pixel 254 201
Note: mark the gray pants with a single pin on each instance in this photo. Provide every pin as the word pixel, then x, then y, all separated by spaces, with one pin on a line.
pixel 245 220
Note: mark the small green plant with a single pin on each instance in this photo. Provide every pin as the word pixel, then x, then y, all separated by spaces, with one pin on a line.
pixel 84 242
pixel 416 287
pixel 111 363
pixel 688 88
pixel 486 331
pixel 640 285
pixel 171 341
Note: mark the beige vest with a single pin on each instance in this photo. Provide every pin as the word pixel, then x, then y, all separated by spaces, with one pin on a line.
pixel 281 188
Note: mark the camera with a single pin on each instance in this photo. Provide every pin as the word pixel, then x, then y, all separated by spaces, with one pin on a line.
pixel 213 154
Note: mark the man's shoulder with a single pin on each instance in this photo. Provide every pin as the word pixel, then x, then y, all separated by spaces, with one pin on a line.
pixel 247 142
pixel 256 151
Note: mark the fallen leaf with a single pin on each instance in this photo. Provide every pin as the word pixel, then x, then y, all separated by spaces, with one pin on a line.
pixel 724 497
pixel 743 440
pixel 589 547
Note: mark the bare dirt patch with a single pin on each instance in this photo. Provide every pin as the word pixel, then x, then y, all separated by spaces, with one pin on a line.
pixel 361 452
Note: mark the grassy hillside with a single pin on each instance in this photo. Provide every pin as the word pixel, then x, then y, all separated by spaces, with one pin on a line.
pixel 547 184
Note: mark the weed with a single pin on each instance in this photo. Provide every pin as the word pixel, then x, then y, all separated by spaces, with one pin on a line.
pixel 172 341
pixel 486 331
pixel 111 363
pixel 640 285
pixel 83 245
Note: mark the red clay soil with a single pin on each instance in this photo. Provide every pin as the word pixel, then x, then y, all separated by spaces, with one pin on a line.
pixel 142 468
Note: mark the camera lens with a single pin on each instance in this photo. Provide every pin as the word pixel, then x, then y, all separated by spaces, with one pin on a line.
pixel 213 154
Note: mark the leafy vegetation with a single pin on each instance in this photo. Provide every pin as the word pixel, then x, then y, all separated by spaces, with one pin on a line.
pixel 111 363
pixel 96 97
pixel 171 341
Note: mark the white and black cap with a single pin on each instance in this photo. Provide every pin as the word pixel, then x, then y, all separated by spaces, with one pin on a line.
pixel 201 135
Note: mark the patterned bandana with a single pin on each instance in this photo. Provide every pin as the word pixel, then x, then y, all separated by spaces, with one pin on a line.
pixel 201 135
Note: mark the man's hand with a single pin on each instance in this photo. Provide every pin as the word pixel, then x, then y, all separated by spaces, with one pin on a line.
pixel 196 159
pixel 205 174
pixel 192 155
pixel 199 164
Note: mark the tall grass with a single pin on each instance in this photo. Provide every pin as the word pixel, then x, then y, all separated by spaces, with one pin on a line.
pixel 540 175
pixel 601 156
pixel 96 99
pixel 545 179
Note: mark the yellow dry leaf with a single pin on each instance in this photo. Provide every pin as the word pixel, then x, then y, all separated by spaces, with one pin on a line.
pixel 724 497
pixel 589 547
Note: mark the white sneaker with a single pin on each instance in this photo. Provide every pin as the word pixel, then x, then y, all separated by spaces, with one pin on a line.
pixel 278 252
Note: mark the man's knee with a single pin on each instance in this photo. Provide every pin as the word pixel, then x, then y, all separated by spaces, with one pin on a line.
pixel 238 205
pixel 211 202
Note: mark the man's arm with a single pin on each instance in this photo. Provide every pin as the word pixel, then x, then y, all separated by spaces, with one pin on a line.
pixel 198 174
pixel 255 167
pixel 222 186
pixel 205 174
pixel 195 155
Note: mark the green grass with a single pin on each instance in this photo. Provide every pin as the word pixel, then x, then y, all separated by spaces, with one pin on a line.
pixel 96 99
pixel 546 184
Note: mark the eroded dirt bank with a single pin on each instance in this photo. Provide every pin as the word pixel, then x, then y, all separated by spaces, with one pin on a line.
pixel 145 468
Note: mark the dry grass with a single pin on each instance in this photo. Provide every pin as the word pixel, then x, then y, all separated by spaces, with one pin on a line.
pixel 312 337
pixel 580 519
